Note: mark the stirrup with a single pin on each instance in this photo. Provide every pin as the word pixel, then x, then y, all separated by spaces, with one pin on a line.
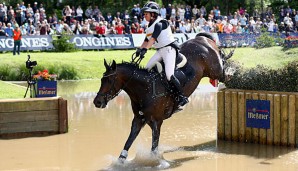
pixel 182 100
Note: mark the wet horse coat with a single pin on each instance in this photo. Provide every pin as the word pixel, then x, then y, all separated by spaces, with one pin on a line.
pixel 204 60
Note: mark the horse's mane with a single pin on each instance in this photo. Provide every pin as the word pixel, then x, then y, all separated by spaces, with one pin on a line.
pixel 133 66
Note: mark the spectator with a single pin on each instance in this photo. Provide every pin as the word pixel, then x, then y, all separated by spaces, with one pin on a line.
pixel 135 11
pixel 100 29
pixel 181 12
pixel 188 14
pixel 169 11
pixel 216 13
pixel 8 30
pixel 201 20
pixel 119 28
pixel 43 28
pixel 95 12
pixel 219 26
pixel 41 7
pixel 42 15
pixel 126 15
pixel 49 30
pixel 140 30
pixel 76 27
pixel 31 29
pixel 271 25
pixel 225 20
pixel 59 27
pixel 228 28
pixel 243 20
pixel 89 12
pixel 256 14
pixel 35 8
pixel 195 12
pixel 17 37
pixel 206 27
pixel 2 13
pixel 24 29
pixel 134 28
pixel 203 10
pixel 109 18
pixel 163 12
pixel 239 28
pixel 10 13
pixel 282 27
pixel 68 12
pixel 29 9
pixel 173 12
pixel 127 27
pixel 36 17
pixel 79 12
pixel 234 23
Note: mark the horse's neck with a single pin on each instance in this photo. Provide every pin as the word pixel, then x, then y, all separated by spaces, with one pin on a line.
pixel 134 82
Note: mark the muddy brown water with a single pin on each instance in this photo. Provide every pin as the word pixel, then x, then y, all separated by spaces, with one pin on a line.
pixel 96 138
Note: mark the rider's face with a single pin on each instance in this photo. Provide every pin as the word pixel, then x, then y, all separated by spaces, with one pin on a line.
pixel 147 16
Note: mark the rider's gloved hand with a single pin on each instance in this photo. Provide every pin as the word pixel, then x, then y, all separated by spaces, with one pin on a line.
pixel 143 52
pixel 138 52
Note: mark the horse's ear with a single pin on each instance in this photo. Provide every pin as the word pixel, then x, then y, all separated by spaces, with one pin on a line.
pixel 106 65
pixel 113 66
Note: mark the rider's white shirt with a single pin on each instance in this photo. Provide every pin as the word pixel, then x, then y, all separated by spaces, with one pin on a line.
pixel 165 38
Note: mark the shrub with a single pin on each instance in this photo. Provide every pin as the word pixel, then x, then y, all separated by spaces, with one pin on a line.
pixel 21 73
pixel 62 44
pixel 262 78
pixel 265 40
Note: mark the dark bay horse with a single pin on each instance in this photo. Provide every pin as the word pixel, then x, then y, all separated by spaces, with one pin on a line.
pixel 151 101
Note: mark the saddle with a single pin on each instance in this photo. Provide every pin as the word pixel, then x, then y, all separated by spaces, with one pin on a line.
pixel 180 69
pixel 183 72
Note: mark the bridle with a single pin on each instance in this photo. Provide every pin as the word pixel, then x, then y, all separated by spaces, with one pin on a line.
pixel 108 95
pixel 114 74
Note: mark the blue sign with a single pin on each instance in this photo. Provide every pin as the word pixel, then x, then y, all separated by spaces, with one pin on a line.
pixel 46 89
pixel 258 114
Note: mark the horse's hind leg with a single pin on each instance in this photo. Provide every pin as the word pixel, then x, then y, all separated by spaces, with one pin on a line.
pixel 136 126
pixel 155 126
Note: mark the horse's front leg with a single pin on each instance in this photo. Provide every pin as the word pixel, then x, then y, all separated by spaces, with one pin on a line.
pixel 136 126
pixel 155 126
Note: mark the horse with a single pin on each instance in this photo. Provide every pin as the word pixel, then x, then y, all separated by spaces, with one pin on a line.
pixel 151 100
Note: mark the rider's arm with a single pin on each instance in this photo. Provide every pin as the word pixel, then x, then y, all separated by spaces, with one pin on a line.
pixel 157 30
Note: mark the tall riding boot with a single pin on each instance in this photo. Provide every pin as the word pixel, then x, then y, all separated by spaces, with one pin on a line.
pixel 182 99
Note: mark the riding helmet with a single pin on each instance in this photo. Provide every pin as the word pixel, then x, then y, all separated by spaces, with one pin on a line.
pixel 151 7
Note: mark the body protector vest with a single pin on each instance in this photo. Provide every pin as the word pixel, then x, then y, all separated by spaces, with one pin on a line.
pixel 165 37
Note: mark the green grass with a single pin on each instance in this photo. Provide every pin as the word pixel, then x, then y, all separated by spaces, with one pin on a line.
pixel 89 64
pixel 274 57
pixel 8 90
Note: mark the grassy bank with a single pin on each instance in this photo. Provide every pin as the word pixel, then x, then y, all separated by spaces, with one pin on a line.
pixel 89 64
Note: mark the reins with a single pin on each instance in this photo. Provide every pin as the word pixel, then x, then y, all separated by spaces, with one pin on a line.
pixel 107 94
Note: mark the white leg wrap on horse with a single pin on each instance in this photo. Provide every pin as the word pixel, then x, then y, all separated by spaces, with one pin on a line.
pixel 124 153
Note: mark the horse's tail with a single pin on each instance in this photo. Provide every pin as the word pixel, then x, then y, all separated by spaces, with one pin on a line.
pixel 208 35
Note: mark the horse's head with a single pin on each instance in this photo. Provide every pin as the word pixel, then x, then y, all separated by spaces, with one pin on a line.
pixel 109 88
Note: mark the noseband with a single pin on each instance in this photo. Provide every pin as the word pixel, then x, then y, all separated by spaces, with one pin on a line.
pixel 113 88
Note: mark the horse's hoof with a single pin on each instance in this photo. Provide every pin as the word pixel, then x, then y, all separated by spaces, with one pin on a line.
pixel 121 159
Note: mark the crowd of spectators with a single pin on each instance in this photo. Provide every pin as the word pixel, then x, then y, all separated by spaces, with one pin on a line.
pixel 34 20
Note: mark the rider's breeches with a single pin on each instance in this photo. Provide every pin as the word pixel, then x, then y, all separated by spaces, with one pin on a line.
pixel 168 55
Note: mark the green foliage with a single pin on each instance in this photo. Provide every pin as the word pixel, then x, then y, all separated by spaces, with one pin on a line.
pixel 21 73
pixel 265 40
pixel 68 72
pixel 62 44
pixel 263 78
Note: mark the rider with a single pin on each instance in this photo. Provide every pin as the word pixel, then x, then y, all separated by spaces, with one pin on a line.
pixel 160 35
